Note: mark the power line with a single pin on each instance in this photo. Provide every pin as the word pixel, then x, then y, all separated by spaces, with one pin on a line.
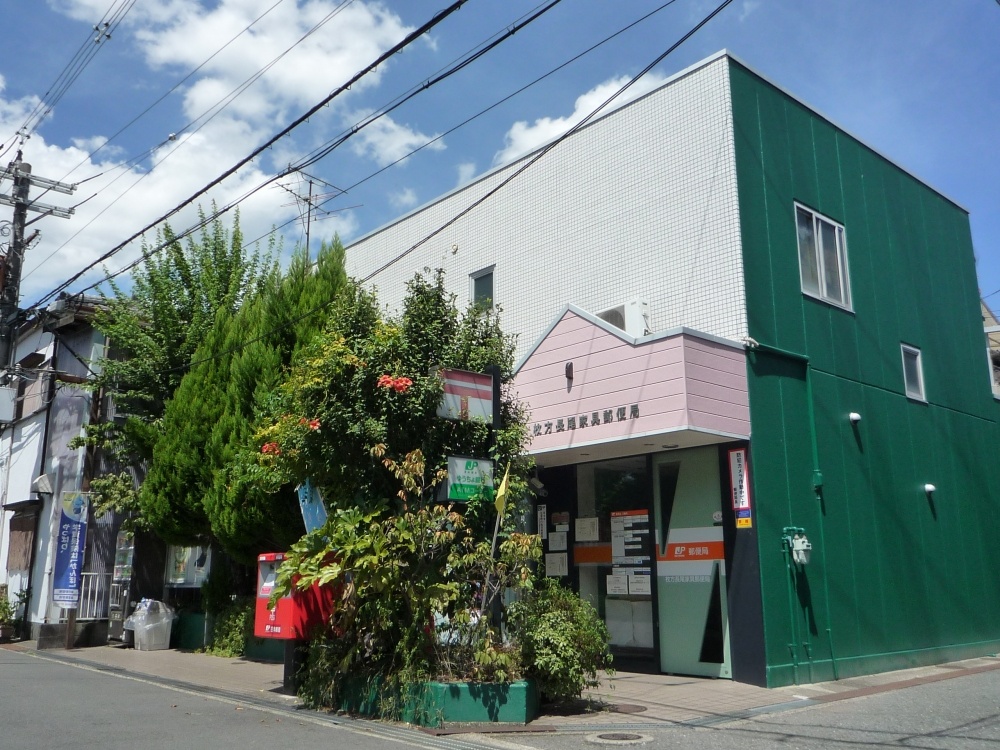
pixel 545 150
pixel 71 71
pixel 405 42
pixel 462 63
pixel 218 107
pixel 529 163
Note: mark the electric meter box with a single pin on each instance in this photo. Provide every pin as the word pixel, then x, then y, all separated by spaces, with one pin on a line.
pixel 295 614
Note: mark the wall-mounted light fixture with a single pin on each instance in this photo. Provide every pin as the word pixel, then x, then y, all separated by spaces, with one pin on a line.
pixel 929 488
pixel 797 544
pixel 569 371
pixel 854 417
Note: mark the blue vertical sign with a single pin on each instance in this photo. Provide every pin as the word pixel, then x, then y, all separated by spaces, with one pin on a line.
pixel 70 541
pixel 312 506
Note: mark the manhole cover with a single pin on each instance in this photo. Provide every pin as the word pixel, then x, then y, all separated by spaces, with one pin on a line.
pixel 627 708
pixel 618 738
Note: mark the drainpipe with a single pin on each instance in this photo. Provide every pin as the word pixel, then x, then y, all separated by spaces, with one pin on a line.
pixel 817 478
pixel 792 647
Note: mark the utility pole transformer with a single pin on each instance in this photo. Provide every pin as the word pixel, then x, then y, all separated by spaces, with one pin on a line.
pixel 11 262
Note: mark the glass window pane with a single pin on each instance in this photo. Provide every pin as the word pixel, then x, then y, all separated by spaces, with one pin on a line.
pixel 911 373
pixel 808 261
pixel 845 279
pixel 831 262
pixel 482 290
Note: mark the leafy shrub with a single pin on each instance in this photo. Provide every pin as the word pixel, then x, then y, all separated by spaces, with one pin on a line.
pixel 410 588
pixel 564 642
pixel 232 628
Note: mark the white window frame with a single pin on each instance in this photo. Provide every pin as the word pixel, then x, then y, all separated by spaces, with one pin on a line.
pixel 823 292
pixel 918 393
pixel 473 277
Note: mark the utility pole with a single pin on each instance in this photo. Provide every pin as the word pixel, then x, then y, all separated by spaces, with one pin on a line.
pixel 19 172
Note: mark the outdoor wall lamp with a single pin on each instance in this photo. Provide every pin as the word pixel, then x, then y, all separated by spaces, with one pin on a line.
pixel 929 488
pixel 794 540
pixel 854 417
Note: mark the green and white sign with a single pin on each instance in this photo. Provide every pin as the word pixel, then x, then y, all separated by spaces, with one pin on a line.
pixel 468 476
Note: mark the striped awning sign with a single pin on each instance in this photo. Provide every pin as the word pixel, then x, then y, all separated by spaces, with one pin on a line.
pixel 467 395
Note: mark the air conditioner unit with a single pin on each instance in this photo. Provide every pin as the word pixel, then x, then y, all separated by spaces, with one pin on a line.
pixel 632 317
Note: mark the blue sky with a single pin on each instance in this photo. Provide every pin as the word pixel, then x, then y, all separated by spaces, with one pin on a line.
pixel 916 80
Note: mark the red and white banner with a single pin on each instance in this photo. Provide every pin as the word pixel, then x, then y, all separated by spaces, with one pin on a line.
pixel 467 395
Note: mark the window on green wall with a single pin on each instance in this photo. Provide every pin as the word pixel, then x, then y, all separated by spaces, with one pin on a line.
pixel 822 257
pixel 913 372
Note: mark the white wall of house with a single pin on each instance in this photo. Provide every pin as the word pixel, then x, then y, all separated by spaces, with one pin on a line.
pixel 640 204
pixel 21 449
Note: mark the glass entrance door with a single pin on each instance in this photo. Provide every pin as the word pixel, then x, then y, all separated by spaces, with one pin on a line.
pixel 690 564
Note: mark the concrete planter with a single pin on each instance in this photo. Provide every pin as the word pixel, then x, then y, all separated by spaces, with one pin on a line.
pixel 438 703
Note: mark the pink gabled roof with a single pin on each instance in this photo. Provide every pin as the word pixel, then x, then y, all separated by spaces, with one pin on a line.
pixel 626 391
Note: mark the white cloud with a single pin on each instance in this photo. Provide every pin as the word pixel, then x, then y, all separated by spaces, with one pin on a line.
pixel 523 138
pixel 385 141
pixel 176 36
pixel 404 198
pixel 466 171
pixel 748 7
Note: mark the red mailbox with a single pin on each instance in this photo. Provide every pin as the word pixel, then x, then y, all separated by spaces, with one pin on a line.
pixel 295 614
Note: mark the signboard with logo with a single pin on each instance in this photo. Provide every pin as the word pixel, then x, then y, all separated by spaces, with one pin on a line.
pixel 467 395
pixel 71 541
pixel 468 476
pixel 739 478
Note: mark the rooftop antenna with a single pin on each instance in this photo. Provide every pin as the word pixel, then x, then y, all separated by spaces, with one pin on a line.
pixel 311 200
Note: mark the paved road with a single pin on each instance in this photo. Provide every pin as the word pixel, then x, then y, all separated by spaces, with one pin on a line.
pixel 957 714
pixel 51 704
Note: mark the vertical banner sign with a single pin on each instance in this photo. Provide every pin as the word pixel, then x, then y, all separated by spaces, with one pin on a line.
pixel 468 476
pixel 739 480
pixel 467 395
pixel 312 506
pixel 71 541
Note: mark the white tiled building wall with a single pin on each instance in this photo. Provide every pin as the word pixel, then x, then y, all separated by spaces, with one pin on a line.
pixel 640 204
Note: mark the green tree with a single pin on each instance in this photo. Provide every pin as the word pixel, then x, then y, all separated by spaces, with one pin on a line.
pixel 364 392
pixel 190 493
pixel 154 328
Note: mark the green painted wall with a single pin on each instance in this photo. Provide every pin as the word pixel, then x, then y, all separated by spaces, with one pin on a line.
pixel 896 579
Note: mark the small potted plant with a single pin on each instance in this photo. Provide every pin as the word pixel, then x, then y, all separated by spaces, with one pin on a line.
pixel 7 619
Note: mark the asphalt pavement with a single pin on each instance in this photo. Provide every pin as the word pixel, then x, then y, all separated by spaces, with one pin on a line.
pixel 626 702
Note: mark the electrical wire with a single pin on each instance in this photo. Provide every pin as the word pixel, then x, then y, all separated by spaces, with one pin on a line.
pixel 546 149
pixel 457 65
pixel 405 42
pixel 172 89
pixel 479 49
pixel 72 71
pixel 218 107
pixel 529 163
pixel 296 167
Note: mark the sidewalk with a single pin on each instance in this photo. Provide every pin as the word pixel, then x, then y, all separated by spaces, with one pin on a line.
pixel 626 700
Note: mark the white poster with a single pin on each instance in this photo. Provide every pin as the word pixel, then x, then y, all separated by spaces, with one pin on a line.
pixel 587 530
pixel 640 585
pixel 557 541
pixel 617 584
pixel 557 564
